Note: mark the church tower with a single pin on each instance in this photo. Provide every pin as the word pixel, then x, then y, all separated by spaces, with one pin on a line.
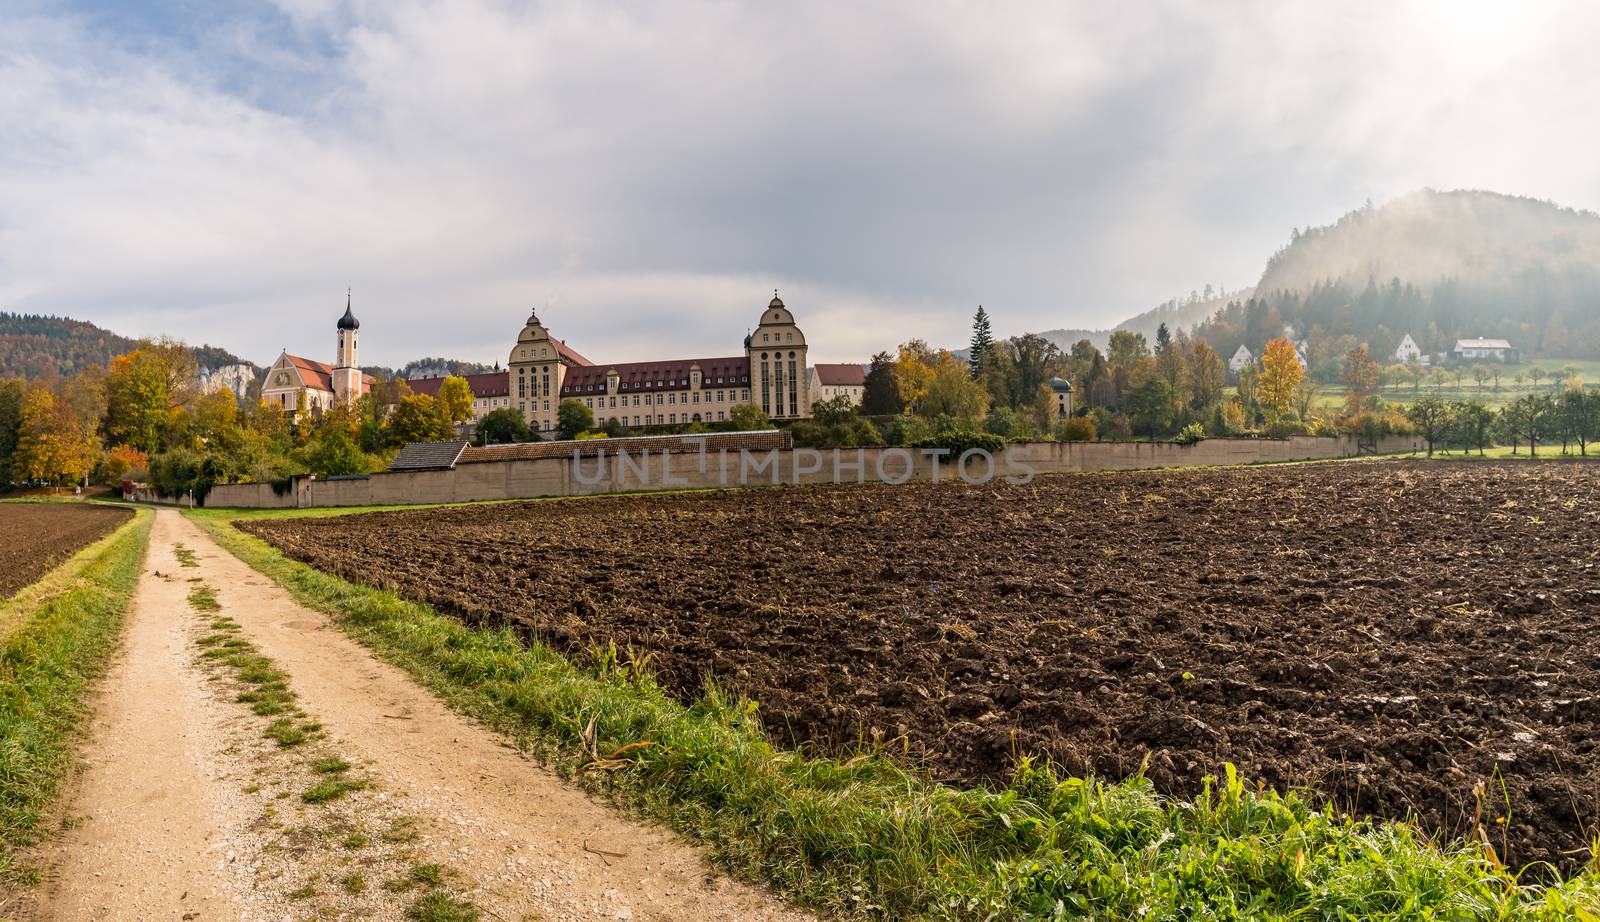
pixel 346 373
pixel 777 353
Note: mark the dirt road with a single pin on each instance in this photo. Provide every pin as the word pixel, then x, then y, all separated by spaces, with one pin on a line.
pixel 187 811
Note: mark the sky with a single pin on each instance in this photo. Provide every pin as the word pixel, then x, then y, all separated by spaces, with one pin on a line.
pixel 644 175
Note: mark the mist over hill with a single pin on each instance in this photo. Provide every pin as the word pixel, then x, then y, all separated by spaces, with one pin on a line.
pixel 1437 265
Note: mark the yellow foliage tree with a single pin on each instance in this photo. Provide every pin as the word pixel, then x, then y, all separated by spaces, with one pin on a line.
pixel 1280 375
pixel 455 399
pixel 50 444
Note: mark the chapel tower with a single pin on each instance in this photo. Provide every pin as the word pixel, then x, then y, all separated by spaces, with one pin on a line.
pixel 346 373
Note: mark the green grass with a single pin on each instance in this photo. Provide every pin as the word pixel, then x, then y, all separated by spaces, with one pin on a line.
pixel 49 660
pixel 439 906
pixel 869 837
pixel 331 789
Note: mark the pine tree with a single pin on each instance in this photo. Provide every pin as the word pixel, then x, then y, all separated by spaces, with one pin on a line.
pixel 982 341
pixel 1163 339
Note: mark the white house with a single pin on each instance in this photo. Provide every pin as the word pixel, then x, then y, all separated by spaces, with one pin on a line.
pixel 1407 352
pixel 1300 354
pixel 830 381
pixel 1241 358
pixel 1481 349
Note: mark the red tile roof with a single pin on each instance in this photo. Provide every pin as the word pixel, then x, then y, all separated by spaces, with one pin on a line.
pixel 320 374
pixel 731 371
pixel 841 375
pixel 488 384
pixel 569 353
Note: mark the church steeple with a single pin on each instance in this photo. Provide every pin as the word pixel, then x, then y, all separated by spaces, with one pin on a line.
pixel 348 321
pixel 346 374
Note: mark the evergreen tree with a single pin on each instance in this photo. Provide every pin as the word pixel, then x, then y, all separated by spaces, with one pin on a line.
pixel 1163 339
pixel 982 341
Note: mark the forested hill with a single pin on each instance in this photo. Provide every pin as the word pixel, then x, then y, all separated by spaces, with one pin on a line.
pixel 1437 265
pixel 33 346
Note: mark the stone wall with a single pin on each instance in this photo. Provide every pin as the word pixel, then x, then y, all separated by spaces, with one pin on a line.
pixel 654 470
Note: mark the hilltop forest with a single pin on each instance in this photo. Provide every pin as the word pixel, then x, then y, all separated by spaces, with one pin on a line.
pixel 1440 266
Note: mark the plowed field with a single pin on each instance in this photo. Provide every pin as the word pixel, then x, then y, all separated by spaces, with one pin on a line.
pixel 34 537
pixel 1395 635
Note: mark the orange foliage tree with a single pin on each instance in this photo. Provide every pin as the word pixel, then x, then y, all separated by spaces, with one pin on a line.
pixel 1280 375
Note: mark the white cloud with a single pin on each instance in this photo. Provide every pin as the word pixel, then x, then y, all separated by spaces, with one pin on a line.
pixel 652 171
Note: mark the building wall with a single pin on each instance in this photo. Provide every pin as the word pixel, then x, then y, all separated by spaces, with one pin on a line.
pixel 690 470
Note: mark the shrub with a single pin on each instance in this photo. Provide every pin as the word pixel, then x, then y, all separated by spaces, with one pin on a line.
pixel 1190 434
pixel 1076 429
pixel 1284 428
pixel 957 441
pixel 907 430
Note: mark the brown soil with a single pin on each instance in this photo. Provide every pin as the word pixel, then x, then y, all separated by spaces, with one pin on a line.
pixel 35 537
pixel 185 811
pixel 1391 634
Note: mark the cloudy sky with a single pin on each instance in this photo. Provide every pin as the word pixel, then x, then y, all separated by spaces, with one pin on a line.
pixel 645 174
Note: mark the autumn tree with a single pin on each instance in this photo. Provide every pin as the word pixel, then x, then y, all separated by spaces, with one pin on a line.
pixel 913 368
pixel 416 418
pixel 1280 375
pixel 51 445
pixel 1126 349
pixel 1529 419
pixel 1361 380
pixel 1207 375
pixel 144 389
pixel 455 399
pixel 951 392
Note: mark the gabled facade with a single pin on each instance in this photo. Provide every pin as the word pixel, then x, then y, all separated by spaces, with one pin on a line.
pixel 1408 351
pixel 771 374
pixel 1241 357
pixel 830 381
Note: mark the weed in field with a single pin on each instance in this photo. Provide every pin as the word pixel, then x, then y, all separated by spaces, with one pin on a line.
pixel 201 598
pixel 331 789
pixel 186 557
pixel 284 732
pixel 439 906
pixel 354 884
pixel 329 765
pixel 355 841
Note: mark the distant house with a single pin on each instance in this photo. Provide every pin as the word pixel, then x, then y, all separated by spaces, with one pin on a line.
pixel 830 381
pixel 1241 358
pixel 1407 352
pixel 1482 349
pixel 1300 354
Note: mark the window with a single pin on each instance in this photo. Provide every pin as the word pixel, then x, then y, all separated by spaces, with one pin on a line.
pixel 674 419
pixel 613 403
pixel 766 337
pixel 547 406
pixel 636 420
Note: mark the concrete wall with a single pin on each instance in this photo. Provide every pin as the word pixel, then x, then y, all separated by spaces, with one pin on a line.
pixel 690 470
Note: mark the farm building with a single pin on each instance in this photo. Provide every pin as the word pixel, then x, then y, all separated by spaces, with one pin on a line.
pixel 1407 351
pixel 1483 349
pixel 1241 357
pixel 830 381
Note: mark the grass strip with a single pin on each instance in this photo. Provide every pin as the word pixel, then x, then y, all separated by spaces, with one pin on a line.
pixel 48 664
pixel 868 837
